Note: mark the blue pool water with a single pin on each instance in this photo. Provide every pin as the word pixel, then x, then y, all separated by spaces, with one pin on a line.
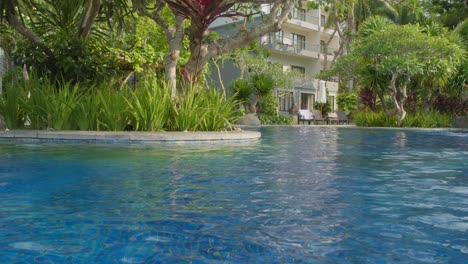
pixel 300 195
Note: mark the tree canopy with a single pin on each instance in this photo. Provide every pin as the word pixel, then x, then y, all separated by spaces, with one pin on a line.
pixel 389 57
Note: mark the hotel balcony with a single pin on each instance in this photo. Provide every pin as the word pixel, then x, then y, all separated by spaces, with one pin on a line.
pixel 303 20
pixel 298 48
pixel 291 47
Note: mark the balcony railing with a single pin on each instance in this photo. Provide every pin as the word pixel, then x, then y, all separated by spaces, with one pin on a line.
pixel 328 50
pixel 305 17
pixel 290 45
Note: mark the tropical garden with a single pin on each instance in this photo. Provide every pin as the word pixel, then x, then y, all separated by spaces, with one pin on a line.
pixel 145 65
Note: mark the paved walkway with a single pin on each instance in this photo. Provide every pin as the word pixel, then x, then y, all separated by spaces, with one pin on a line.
pixel 129 137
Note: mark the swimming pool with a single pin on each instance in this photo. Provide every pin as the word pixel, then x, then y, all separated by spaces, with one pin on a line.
pixel 299 195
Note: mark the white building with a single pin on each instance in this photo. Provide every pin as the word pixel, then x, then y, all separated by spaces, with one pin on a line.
pixel 301 46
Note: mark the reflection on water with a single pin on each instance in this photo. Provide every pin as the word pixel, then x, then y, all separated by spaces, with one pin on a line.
pixel 301 194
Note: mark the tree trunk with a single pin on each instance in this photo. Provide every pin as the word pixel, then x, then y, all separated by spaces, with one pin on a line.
pixel 196 62
pixel 399 97
pixel 220 77
pixel 2 68
pixel 170 68
pixel 201 51
pixel 86 22
pixel 26 32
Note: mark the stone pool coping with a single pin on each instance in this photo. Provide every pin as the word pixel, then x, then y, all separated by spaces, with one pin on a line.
pixel 129 137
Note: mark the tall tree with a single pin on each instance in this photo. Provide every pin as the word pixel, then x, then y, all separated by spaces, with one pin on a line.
pixel 395 62
pixel 200 14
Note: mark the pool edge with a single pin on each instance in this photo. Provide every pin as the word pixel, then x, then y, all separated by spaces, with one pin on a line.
pixel 129 137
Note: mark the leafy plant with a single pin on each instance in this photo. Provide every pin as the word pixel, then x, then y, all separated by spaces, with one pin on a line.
pixel 86 111
pixel 188 113
pixel 347 102
pixel 219 111
pixel 242 89
pixel 269 104
pixel 150 105
pixel 431 119
pixel 374 119
pixel 10 107
pixel 114 112
pixel 276 119
pixel 262 83
pixel 48 106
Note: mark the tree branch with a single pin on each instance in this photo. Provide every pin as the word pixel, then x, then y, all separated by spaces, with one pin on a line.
pixel 273 23
pixel 23 30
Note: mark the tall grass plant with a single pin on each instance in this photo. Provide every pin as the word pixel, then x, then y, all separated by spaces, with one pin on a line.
pixel 150 106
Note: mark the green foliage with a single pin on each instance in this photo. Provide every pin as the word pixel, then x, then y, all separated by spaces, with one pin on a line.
pixel 276 119
pixel 219 111
pixel 205 110
pixel 65 53
pixel 462 30
pixel 418 62
pixel 10 107
pixel 48 106
pixel 114 110
pixel 324 108
pixel 262 83
pixel 372 25
pixel 430 119
pixel 242 89
pixel 85 114
pixel 188 114
pixel 347 102
pixel 374 119
pixel 150 105
pixel 269 105
pixel 144 45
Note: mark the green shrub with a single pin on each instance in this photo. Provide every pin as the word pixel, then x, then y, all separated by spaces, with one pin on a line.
pixel 10 107
pixel 114 111
pixel 85 114
pixel 242 89
pixel 269 104
pixel 347 102
pixel 277 119
pixel 262 83
pixel 219 111
pixel 150 105
pixel 203 110
pixel 430 119
pixel 188 113
pixel 421 119
pixel 48 106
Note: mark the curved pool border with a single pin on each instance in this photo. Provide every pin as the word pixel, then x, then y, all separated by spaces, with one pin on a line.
pixel 130 137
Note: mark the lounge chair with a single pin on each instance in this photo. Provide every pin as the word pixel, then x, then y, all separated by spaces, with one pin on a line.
pixel 342 118
pixel 332 117
pixel 318 118
pixel 305 115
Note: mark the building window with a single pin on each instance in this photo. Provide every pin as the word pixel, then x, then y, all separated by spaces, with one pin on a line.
pixel 298 69
pixel 331 100
pixel 299 13
pixel 307 101
pixel 322 20
pixel 323 46
pixel 285 100
pixel 279 37
pixel 298 41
